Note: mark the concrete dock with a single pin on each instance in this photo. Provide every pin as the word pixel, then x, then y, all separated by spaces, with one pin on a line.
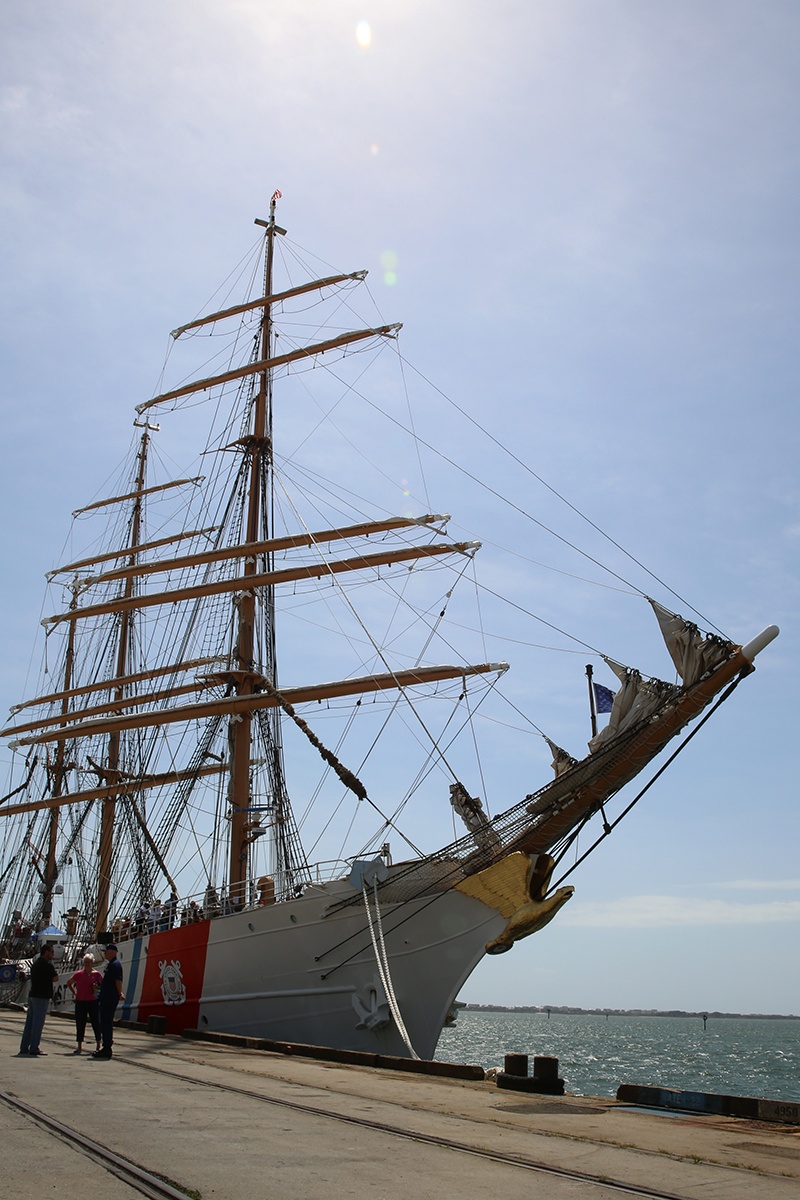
pixel 227 1122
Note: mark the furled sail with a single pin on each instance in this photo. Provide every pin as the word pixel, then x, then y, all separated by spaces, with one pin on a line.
pixel 562 759
pixel 637 699
pixel 471 811
pixel 693 652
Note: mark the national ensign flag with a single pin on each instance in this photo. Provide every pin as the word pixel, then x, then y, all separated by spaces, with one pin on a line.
pixel 603 698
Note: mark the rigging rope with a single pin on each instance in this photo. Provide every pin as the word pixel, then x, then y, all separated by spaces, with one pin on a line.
pixel 382 959
pixel 608 827
pixel 384 660
pixel 347 777
pixel 24 783
pixel 558 496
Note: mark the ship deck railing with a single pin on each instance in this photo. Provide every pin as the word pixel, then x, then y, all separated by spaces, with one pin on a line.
pixel 210 904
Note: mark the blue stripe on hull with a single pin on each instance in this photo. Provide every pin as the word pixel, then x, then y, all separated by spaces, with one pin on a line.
pixel 129 986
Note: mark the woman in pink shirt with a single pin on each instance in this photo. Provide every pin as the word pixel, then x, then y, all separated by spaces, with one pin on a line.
pixel 84 986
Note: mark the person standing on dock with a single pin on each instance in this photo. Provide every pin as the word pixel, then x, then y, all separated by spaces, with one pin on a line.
pixel 84 986
pixel 43 976
pixel 109 997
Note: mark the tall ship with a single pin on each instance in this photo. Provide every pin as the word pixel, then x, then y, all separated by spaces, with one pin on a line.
pixel 252 825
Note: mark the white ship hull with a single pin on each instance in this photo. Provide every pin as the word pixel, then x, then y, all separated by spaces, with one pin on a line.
pixel 303 973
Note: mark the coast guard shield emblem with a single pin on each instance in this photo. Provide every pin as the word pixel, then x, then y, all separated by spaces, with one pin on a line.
pixel 172 986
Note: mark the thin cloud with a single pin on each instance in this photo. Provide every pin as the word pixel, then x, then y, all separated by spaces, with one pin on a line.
pixel 650 912
pixel 35 109
pixel 758 885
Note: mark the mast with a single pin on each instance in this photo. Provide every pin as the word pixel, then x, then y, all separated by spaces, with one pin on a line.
pixel 112 769
pixel 59 774
pixel 240 730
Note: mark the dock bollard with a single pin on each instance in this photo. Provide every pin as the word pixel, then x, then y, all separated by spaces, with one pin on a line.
pixel 156 1023
pixel 544 1080
pixel 546 1069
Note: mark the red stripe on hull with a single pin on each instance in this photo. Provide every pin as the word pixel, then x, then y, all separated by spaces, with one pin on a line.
pixel 173 978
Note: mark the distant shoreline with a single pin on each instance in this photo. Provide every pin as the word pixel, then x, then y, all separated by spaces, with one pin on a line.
pixel 567 1010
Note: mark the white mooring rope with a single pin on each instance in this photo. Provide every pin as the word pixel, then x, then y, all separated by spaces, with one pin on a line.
pixel 382 959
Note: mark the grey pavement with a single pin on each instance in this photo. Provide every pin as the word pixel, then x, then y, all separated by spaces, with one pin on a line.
pixel 159 1104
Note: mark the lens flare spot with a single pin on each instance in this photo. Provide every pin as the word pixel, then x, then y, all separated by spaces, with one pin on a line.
pixel 388 260
pixel 364 35
pixel 373 148
pixel 389 278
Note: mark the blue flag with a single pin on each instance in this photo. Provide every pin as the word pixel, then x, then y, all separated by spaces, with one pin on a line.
pixel 603 698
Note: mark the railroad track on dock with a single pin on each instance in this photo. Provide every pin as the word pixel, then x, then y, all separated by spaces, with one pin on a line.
pixel 140 1179
pixel 615 1186
pixel 158 1189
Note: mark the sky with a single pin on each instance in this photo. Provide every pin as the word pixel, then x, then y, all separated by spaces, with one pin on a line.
pixel 586 217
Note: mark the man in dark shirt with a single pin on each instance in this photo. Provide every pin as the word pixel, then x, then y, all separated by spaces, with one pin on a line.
pixel 109 997
pixel 43 976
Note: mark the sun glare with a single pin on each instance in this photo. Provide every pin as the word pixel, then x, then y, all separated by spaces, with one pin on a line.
pixel 389 262
pixel 363 34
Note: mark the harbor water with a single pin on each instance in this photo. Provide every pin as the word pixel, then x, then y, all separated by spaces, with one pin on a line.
pixel 739 1056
